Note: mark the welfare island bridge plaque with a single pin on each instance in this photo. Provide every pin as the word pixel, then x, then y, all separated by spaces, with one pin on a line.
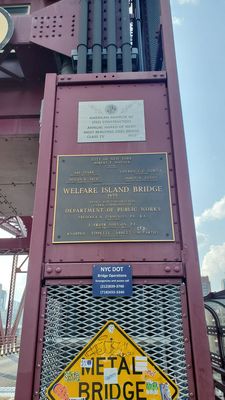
pixel 112 198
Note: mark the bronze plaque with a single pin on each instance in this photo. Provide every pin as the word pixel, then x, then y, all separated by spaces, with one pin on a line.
pixel 112 198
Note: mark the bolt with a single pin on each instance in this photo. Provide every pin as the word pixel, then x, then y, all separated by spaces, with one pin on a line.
pixel 49 270
pixel 58 270
pixel 177 269
pixel 167 269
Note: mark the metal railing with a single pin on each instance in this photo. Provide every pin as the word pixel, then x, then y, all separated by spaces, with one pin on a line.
pixel 215 319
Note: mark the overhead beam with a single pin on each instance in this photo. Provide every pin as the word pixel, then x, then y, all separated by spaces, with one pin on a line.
pixel 14 246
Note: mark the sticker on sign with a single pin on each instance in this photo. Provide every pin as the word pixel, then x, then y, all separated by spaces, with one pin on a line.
pixel 119 370
pixel 77 398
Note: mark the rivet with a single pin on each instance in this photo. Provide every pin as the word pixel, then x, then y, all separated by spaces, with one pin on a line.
pixel 191 394
pixel 38 365
pixel 177 269
pixel 40 340
pixel 49 270
pixel 189 366
pixel 186 340
pixel 58 270
pixel 167 269
pixel 184 315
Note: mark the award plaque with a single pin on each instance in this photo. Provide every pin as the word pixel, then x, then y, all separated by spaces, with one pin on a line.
pixel 111 121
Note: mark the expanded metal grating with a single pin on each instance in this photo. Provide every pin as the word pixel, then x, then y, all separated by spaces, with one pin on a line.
pixel 152 317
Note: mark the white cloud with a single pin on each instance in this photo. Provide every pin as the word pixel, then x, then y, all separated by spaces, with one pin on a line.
pixel 202 238
pixel 216 212
pixel 177 21
pixel 182 2
pixel 213 265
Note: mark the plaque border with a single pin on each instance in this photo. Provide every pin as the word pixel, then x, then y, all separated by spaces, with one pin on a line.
pixel 112 241
pixel 127 140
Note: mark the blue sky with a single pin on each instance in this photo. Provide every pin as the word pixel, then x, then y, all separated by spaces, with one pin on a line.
pixel 199 32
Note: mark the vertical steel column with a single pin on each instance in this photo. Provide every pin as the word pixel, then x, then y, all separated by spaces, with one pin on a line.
pixel 27 367
pixel 2 337
pixel 83 37
pixel 200 347
pixel 111 36
pixel 126 45
pixel 97 37
pixel 18 315
pixel 8 335
pixel 139 35
pixel 153 23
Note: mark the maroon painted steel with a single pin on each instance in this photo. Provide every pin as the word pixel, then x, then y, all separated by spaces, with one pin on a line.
pixel 8 327
pixel 142 269
pixel 24 386
pixel 22 29
pixel 200 347
pixel 18 315
pixel 152 262
pixel 109 77
pixel 14 246
pixel 56 27
pixel 19 245
pixel 11 105
pixel 156 121
pixel 40 336
pixel 187 341
pixel 2 335
pixel 19 127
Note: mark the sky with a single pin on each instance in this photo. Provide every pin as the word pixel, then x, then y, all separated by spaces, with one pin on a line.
pixel 199 32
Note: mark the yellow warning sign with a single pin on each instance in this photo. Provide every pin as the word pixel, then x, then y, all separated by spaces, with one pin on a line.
pixel 112 366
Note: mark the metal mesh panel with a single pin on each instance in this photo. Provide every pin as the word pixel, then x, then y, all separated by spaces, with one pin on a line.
pixel 152 317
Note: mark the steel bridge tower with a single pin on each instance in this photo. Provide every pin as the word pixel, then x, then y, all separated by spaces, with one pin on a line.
pixel 93 143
